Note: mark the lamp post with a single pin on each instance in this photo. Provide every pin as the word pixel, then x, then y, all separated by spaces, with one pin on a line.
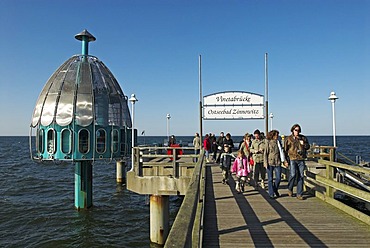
pixel 133 100
pixel 333 98
pixel 271 116
pixel 168 125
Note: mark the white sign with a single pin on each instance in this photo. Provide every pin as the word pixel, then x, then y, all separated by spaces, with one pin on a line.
pixel 233 98
pixel 233 105
pixel 230 112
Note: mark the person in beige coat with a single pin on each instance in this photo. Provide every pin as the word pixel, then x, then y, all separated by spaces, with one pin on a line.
pixel 257 150
pixel 197 146
pixel 273 157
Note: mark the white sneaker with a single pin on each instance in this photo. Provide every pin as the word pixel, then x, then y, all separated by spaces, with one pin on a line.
pixel 262 184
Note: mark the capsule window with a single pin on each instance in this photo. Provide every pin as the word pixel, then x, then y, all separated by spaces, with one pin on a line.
pixel 100 141
pixel 83 141
pixel 51 141
pixel 66 141
pixel 40 141
pixel 115 142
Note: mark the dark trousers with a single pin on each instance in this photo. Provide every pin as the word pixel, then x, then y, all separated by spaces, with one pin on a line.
pixel 219 155
pixel 259 169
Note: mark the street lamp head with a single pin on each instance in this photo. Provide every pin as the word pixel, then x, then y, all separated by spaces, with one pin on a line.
pixel 332 97
pixel 133 99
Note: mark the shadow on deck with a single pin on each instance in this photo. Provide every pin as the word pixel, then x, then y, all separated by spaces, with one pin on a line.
pixel 252 219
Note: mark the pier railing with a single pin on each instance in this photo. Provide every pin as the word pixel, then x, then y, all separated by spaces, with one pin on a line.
pixel 161 175
pixel 187 228
pixel 330 179
pixel 321 152
pixel 161 170
pixel 324 177
pixel 175 173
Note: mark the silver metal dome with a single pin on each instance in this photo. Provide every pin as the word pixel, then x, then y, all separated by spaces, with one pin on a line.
pixel 82 91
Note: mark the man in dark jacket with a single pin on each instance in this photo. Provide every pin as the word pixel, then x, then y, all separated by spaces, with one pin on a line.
pixel 220 144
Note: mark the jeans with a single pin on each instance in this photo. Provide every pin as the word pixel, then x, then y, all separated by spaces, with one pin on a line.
pixel 296 168
pixel 273 187
pixel 207 154
pixel 196 152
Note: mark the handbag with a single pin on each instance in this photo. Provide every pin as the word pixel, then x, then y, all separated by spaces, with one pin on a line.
pixel 251 161
pixel 282 156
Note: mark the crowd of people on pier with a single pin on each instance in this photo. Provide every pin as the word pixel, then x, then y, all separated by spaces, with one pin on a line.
pixel 256 156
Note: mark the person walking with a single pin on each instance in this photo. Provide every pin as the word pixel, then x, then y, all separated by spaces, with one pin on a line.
pixel 229 142
pixel 257 149
pixel 296 146
pixel 245 147
pixel 207 147
pixel 220 144
pixel 242 169
pixel 197 146
pixel 225 164
pixel 245 144
pixel 273 157
pixel 212 138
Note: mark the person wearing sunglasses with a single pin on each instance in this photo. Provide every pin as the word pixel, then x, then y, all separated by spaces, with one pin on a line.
pixel 296 146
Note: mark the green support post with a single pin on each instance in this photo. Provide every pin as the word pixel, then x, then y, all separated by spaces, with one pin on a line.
pixel 83 185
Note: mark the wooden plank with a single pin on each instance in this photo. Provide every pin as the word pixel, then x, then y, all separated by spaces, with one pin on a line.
pixel 253 219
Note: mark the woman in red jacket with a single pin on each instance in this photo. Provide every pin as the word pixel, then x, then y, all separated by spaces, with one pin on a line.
pixel 207 147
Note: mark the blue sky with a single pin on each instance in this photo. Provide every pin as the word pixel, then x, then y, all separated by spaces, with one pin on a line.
pixel 152 47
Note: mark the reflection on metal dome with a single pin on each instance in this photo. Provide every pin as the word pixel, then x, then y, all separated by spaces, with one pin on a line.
pixel 83 91
pixel 81 116
pixel 81 113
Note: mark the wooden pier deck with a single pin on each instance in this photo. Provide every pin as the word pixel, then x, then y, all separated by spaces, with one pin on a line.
pixel 252 219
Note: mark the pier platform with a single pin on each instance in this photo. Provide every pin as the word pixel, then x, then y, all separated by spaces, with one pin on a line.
pixel 252 219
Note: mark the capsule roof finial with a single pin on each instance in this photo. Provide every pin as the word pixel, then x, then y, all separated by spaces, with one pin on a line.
pixel 85 37
pixel 86 34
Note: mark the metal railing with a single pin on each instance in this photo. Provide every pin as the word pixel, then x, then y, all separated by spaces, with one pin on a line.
pixel 161 170
pixel 155 157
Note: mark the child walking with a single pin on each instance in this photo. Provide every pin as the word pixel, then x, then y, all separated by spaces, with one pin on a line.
pixel 242 169
pixel 225 164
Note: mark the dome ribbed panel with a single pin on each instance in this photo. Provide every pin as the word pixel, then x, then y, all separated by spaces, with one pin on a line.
pixel 82 91
pixel 101 95
pixel 64 115
pixel 118 109
pixel 84 100
pixel 49 108
pixel 38 111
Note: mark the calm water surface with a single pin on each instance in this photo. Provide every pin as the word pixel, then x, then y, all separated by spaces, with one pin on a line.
pixel 37 205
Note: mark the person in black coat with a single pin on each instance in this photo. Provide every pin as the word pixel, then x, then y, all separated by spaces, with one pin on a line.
pixel 229 142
